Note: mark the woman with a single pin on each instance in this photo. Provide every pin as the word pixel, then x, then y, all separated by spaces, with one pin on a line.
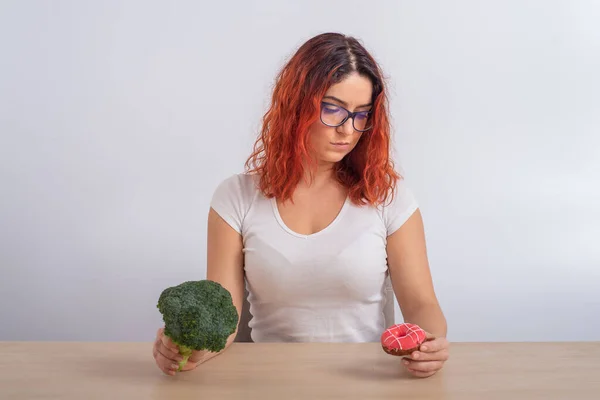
pixel 321 217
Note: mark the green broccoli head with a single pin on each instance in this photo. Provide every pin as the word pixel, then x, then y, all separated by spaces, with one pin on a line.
pixel 198 315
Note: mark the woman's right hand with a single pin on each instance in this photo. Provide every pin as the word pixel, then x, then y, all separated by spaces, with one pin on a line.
pixel 166 354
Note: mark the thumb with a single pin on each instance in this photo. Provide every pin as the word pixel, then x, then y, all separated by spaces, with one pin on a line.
pixel 190 365
pixel 194 360
pixel 196 356
pixel 429 337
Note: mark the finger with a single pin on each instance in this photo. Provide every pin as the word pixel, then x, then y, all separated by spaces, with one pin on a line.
pixel 190 365
pixel 160 333
pixel 168 353
pixel 197 356
pixel 155 347
pixel 423 366
pixel 434 345
pixel 429 336
pixel 166 365
pixel 168 343
pixel 441 355
pixel 420 374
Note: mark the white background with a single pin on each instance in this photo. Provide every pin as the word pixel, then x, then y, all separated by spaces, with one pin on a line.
pixel 119 118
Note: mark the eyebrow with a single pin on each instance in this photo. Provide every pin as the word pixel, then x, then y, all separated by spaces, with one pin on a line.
pixel 344 103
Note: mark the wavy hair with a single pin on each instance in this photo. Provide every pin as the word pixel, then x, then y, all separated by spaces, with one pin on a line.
pixel 282 151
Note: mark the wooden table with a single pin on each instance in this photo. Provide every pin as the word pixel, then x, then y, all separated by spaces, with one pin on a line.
pixel 115 371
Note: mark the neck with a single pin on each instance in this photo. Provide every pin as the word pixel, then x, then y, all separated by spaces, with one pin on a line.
pixel 323 174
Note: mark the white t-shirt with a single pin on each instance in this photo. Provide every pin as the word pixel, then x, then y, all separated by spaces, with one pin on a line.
pixel 324 287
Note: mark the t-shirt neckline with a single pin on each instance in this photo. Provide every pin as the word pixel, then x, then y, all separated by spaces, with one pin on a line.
pixel 300 235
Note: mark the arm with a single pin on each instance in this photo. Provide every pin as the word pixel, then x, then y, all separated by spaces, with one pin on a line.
pixel 411 277
pixel 413 287
pixel 225 265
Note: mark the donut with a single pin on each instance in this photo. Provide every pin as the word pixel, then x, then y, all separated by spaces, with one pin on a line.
pixel 402 339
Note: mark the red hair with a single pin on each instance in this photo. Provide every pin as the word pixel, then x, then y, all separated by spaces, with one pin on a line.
pixel 282 148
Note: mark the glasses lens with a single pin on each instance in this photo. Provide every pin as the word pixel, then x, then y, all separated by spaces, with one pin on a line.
pixel 332 115
pixel 362 121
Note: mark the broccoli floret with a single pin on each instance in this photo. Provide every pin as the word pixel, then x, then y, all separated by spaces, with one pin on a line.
pixel 198 315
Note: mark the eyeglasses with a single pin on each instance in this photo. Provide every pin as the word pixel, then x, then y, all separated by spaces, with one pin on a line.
pixel 334 116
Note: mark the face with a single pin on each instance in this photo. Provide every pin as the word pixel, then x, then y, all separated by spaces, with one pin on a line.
pixel 330 144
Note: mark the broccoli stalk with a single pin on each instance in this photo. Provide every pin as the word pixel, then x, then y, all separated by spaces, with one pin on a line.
pixel 198 315
pixel 186 352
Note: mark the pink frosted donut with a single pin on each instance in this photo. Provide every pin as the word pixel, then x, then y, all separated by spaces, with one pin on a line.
pixel 402 339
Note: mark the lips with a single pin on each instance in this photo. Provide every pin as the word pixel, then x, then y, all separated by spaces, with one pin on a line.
pixel 340 143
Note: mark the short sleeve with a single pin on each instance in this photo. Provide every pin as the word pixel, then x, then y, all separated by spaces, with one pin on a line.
pixel 397 211
pixel 232 199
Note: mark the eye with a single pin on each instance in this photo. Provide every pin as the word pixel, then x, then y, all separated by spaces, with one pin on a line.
pixel 363 116
pixel 330 109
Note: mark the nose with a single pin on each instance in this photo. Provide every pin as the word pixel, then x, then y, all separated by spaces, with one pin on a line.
pixel 347 128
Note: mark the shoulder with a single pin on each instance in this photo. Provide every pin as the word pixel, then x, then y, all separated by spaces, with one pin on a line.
pixel 233 198
pixel 241 185
pixel 398 207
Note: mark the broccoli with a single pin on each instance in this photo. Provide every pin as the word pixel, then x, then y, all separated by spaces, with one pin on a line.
pixel 198 315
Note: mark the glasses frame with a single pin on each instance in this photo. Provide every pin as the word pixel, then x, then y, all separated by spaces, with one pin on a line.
pixel 349 115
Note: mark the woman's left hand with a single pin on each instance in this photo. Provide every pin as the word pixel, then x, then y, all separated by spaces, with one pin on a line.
pixel 429 359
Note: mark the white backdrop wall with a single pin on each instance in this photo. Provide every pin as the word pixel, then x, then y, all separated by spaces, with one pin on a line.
pixel 119 118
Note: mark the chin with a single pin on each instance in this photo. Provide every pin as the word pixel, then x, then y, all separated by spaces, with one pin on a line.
pixel 333 158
